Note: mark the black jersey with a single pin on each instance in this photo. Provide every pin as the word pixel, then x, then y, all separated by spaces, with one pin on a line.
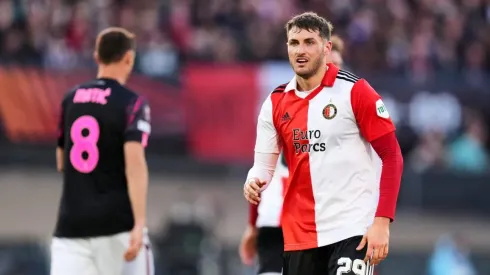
pixel 97 118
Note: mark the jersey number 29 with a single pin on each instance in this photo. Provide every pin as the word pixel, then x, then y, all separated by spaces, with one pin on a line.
pixel 87 144
pixel 347 266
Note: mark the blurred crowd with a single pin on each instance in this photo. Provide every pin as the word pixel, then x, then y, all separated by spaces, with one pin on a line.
pixel 460 151
pixel 405 36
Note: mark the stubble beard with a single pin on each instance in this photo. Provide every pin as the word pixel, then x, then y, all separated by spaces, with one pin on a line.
pixel 315 67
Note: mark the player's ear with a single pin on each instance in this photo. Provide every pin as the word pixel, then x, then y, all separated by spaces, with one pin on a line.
pixel 96 57
pixel 129 57
pixel 328 46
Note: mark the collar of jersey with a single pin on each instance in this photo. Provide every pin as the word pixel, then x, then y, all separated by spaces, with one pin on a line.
pixel 107 79
pixel 327 81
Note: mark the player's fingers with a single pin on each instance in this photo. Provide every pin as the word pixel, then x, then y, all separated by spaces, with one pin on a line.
pixel 369 253
pixel 373 260
pixel 130 257
pixel 362 243
pixel 245 256
pixel 385 251
pixel 252 193
pixel 246 194
pixel 241 252
pixel 261 184
pixel 254 188
pixel 250 189
pixel 378 254
pixel 134 249
pixel 130 254
pixel 252 198
pixel 245 260
pixel 252 201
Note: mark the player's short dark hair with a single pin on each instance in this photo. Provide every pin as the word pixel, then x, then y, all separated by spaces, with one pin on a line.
pixel 311 21
pixel 113 43
pixel 337 44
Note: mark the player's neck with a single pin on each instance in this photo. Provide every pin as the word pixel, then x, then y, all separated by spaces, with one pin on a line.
pixel 112 72
pixel 308 84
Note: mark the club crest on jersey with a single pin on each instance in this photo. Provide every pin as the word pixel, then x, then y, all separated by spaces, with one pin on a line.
pixel 330 111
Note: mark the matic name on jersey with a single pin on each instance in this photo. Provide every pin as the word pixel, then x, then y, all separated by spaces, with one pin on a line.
pixel 97 118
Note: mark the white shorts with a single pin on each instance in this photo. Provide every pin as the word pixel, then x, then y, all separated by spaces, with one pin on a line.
pixel 99 256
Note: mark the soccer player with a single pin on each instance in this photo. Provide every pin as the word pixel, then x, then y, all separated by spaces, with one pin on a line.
pixel 103 130
pixel 335 133
pixel 263 235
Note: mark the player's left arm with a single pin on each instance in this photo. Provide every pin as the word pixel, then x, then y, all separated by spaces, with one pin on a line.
pixel 136 136
pixel 60 139
pixel 377 128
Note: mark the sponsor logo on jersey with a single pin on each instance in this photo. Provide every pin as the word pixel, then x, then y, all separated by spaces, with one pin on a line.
pixel 381 110
pixel 302 139
pixel 285 117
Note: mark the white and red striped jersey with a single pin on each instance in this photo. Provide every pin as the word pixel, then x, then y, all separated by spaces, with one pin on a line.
pixel 270 207
pixel 333 186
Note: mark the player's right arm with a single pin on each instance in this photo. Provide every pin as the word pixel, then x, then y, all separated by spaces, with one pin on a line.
pixel 61 138
pixel 267 149
pixel 136 137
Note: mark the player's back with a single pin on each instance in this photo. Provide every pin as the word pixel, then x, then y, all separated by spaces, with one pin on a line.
pixel 96 120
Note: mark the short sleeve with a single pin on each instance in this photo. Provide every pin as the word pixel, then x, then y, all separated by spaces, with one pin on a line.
pixel 61 126
pixel 138 126
pixel 267 141
pixel 370 112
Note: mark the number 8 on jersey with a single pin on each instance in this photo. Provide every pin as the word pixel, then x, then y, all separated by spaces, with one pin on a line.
pixel 87 144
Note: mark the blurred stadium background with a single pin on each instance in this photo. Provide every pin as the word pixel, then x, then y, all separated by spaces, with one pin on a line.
pixel 205 67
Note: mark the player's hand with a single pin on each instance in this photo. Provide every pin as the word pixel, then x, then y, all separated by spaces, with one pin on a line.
pixel 377 239
pixel 135 243
pixel 251 190
pixel 248 245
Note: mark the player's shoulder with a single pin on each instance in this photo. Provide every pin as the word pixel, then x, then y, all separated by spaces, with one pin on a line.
pixel 135 102
pixel 347 76
pixel 280 88
pixel 68 96
pixel 135 98
pixel 354 83
pixel 278 92
pixel 122 93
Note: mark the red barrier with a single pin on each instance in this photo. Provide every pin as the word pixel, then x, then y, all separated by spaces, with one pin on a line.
pixel 220 108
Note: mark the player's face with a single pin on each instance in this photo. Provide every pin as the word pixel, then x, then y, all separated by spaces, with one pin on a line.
pixel 337 59
pixel 307 51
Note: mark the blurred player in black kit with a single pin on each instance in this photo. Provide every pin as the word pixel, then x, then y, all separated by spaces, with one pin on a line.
pixel 103 131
